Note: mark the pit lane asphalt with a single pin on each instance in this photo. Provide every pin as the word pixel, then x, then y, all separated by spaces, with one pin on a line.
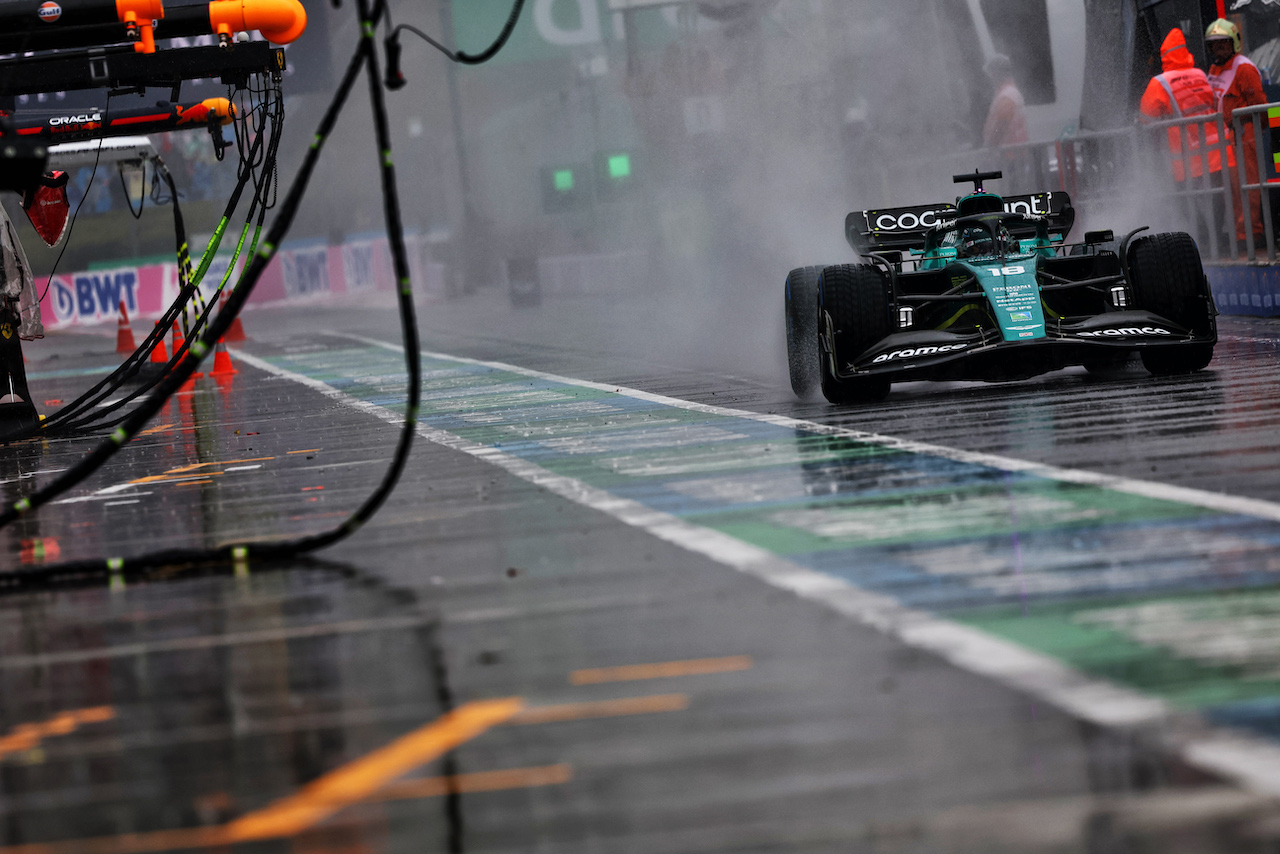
pixel 202 702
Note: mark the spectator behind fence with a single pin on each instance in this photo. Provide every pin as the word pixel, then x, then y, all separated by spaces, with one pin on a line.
pixel 1237 83
pixel 1006 123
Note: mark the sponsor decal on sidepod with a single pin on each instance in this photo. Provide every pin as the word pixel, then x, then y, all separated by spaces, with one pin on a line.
pixel 915 352
pixel 1125 331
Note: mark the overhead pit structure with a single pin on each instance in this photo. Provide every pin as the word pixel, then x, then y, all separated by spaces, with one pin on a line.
pixel 50 40
pixel 26 25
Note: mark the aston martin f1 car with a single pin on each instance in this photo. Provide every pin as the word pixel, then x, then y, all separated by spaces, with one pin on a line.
pixel 990 289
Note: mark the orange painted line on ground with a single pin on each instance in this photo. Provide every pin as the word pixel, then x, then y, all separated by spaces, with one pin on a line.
pixel 196 482
pixel 159 428
pixel 175 475
pixel 662 670
pixel 307 451
pixel 354 782
pixel 602 709
pixel 195 466
pixel 481 781
pixel 129 843
pixel 26 737
pixel 164 478
pixel 357 780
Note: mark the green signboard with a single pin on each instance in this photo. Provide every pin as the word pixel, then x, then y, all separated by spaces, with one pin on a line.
pixel 552 29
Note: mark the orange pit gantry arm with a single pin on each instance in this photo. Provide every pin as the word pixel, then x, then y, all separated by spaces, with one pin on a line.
pixel 279 21
pixel 139 16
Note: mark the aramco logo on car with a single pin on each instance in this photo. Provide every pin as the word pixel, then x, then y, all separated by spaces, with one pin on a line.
pixel 1126 332
pixel 913 352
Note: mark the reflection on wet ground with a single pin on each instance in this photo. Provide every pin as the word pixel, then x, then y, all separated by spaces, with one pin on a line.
pixel 513 655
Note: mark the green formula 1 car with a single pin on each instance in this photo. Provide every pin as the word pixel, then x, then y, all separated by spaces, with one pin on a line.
pixel 989 289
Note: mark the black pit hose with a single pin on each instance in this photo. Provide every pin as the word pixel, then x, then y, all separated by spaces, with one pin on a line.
pixel 395 77
pixel 408 316
pixel 96 418
pixel 130 367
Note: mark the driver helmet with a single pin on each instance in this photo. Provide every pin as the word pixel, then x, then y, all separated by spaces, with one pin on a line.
pixel 976 242
pixel 1224 29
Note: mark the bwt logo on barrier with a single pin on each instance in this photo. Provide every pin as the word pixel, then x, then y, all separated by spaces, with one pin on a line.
pixel 357 266
pixel 306 271
pixel 93 296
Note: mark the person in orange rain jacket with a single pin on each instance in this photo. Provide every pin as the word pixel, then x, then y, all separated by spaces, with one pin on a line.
pixel 1007 118
pixel 1182 90
pixel 1237 83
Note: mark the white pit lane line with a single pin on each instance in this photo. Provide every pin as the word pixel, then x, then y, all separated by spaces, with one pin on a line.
pixel 1250 761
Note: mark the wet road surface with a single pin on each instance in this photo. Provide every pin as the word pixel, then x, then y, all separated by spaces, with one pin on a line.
pixel 630 595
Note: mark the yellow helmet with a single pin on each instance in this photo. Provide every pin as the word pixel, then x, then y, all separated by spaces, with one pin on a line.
pixel 1224 29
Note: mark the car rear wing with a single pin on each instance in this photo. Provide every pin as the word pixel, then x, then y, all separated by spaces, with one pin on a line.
pixel 904 228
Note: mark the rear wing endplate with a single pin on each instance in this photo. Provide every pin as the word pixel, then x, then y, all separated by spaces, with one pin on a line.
pixel 904 228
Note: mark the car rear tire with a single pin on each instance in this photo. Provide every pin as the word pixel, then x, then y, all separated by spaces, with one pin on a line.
pixel 854 300
pixel 1168 279
pixel 801 312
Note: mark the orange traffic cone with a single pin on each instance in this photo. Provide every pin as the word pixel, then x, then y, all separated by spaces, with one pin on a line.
pixel 124 335
pixel 159 354
pixel 235 332
pixel 222 361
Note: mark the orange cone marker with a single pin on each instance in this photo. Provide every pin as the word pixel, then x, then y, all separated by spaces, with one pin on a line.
pixel 235 332
pixel 222 361
pixel 159 355
pixel 124 335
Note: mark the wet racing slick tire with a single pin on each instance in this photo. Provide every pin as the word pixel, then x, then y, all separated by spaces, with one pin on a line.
pixel 1168 279
pixel 801 311
pixel 854 300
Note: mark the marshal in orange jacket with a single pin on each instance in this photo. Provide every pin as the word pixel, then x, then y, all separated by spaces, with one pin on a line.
pixel 1182 90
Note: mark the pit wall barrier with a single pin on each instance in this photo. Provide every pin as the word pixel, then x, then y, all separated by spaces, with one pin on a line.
pixel 587 274
pixel 1245 289
pixel 300 273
